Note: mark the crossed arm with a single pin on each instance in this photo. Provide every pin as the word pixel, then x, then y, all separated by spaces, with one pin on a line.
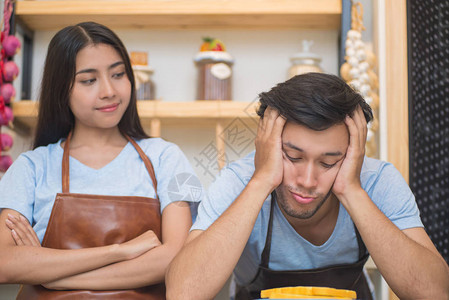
pixel 136 263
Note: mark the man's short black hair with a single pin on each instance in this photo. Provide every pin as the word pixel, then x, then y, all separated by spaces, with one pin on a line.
pixel 315 100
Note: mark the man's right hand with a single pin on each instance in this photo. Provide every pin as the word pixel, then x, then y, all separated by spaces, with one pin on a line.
pixel 268 158
pixel 203 265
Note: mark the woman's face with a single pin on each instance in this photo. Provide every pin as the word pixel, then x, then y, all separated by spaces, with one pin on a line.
pixel 101 91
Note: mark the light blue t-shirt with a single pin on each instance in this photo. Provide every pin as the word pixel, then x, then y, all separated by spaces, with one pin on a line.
pixel 32 182
pixel 289 251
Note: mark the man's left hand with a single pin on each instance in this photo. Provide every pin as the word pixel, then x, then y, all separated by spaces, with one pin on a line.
pixel 348 177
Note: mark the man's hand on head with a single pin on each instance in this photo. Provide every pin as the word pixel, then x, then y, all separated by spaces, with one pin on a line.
pixel 348 177
pixel 268 158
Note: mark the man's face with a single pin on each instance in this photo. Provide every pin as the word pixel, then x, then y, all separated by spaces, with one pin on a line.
pixel 311 160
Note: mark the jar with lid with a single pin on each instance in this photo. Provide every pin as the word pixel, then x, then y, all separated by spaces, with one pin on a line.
pixel 305 61
pixel 145 88
pixel 214 80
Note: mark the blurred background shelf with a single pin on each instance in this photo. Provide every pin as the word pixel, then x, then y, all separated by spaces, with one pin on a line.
pixel 155 114
pixel 194 113
pixel 182 14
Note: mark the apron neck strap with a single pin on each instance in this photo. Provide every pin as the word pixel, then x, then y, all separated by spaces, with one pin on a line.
pixel 66 166
pixel 265 258
pixel 146 161
pixel 266 250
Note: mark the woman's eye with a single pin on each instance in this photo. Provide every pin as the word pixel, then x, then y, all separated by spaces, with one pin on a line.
pixel 119 75
pixel 88 81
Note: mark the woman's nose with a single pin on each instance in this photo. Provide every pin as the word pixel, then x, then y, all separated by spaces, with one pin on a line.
pixel 106 89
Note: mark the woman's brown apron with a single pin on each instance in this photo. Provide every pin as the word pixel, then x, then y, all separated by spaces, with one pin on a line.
pixel 84 221
pixel 343 276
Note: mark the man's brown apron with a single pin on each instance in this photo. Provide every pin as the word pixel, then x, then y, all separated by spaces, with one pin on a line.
pixel 84 221
pixel 342 276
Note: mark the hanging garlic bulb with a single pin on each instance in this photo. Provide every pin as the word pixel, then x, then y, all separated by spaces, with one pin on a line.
pixel 358 72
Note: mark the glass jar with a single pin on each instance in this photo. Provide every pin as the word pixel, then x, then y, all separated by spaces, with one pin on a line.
pixel 305 61
pixel 214 80
pixel 145 88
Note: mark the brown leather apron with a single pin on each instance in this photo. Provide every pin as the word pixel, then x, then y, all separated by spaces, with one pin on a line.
pixel 84 221
pixel 342 276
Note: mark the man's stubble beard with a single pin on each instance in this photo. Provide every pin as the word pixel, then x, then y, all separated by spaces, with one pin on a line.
pixel 281 197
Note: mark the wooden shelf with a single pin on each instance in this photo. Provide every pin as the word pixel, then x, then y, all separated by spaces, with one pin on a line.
pixel 154 114
pixel 182 14
pixel 195 113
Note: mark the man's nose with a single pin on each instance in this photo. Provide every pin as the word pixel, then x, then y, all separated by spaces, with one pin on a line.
pixel 308 177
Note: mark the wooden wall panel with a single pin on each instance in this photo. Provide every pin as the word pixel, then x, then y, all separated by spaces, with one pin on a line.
pixel 397 85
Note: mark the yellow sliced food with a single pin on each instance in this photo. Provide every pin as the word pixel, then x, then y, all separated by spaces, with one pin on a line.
pixel 320 292
pixel 292 296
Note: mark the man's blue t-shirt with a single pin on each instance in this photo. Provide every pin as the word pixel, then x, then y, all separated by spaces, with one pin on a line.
pixel 32 182
pixel 289 251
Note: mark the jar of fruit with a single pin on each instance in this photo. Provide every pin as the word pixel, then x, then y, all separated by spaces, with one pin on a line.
pixel 305 61
pixel 214 65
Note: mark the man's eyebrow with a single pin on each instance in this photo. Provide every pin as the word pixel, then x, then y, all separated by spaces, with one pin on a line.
pixel 290 145
pixel 94 70
pixel 336 153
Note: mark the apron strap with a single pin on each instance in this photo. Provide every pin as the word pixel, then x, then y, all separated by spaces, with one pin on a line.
pixel 146 161
pixel 265 257
pixel 66 166
pixel 362 248
pixel 266 250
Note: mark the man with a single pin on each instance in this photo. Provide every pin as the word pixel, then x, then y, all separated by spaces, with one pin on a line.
pixel 307 207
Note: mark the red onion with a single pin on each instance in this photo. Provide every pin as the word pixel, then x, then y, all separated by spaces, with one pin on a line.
pixel 6 116
pixel 10 71
pixel 11 44
pixel 6 142
pixel 8 92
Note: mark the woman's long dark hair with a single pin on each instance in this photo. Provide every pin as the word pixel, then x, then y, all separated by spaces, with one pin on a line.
pixel 55 119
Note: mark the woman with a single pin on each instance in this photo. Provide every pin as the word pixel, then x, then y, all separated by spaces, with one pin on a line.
pixel 88 110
